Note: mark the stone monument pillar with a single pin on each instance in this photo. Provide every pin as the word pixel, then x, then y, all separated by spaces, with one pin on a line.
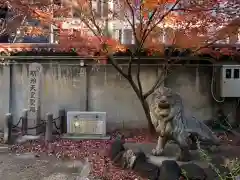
pixel 35 71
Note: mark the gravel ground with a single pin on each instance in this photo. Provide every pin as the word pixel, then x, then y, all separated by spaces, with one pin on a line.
pixel 29 167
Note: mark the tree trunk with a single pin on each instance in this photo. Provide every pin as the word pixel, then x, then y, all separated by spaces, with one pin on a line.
pixel 146 109
pixel 139 94
pixel 144 104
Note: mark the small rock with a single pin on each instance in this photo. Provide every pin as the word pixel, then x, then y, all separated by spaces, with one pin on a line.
pixel 56 176
pixel 116 147
pixel 81 178
pixel 213 149
pixel 74 164
pixel 24 139
pixel 158 160
pixel 26 156
pixel 212 175
pixel 193 172
pixel 86 169
pixel 171 150
pixel 170 170
pixel 4 149
pixel 145 168
pixel 37 155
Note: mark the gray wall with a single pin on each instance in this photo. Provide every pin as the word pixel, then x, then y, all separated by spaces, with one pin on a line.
pixel 64 86
pixel 4 93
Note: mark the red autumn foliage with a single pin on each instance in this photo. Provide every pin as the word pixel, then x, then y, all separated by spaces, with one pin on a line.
pixel 189 25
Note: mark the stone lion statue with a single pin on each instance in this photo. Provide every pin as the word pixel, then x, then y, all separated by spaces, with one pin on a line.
pixel 167 115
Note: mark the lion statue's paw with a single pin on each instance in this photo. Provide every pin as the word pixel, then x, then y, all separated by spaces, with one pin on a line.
pixel 157 152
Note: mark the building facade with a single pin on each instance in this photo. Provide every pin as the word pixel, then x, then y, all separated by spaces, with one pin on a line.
pixel 118 28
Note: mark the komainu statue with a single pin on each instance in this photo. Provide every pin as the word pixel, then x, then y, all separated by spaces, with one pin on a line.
pixel 170 122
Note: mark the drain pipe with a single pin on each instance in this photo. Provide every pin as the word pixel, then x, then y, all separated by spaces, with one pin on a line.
pixel 85 68
pixel 87 88
pixel 10 88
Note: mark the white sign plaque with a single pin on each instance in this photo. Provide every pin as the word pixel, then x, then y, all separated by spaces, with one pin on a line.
pixel 88 123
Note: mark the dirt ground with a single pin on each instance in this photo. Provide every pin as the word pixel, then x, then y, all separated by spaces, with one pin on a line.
pixel 29 167
pixel 43 167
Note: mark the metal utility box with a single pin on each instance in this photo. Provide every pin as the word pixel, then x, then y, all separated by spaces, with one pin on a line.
pixel 86 123
pixel 230 81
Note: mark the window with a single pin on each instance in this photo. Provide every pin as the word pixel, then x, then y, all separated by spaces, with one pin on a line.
pixel 100 7
pixel 75 13
pixel 65 12
pixel 105 8
pixel 117 34
pixel 238 35
pixel 57 2
pixel 236 74
pixel 56 13
pixel 120 35
pixel 3 12
pixel 128 36
pixel 228 73
pixel 56 33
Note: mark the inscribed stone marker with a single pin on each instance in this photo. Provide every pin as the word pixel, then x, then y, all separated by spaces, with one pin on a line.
pixel 86 123
pixel 35 70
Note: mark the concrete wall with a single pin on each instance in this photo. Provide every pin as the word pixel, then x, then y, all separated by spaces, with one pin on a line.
pixel 4 93
pixel 103 89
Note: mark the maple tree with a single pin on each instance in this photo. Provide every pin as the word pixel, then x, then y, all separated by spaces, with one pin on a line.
pixel 189 24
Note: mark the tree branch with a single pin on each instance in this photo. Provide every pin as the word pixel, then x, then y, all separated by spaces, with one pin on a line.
pixel 159 81
pixel 133 21
pixel 147 32
pixel 93 17
pixel 113 62
pixel 130 66
pixel 138 77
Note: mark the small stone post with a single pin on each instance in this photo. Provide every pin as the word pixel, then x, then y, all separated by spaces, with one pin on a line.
pixel 8 129
pixel 24 122
pixel 49 128
pixel 63 121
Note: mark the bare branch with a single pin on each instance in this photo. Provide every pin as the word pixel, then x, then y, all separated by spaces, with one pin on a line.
pixel 93 17
pixel 138 77
pixel 133 21
pixel 159 81
pixel 147 32
pixel 115 65
pixel 130 66
pixel 146 28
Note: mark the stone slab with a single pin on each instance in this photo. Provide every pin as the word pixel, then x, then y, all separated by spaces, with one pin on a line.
pixel 25 138
pixel 26 156
pixel 158 161
pixel 75 167
pixel 4 149
pixel 57 176
pixel 225 153
pixel 170 150
pixel 84 137
pixel 73 164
